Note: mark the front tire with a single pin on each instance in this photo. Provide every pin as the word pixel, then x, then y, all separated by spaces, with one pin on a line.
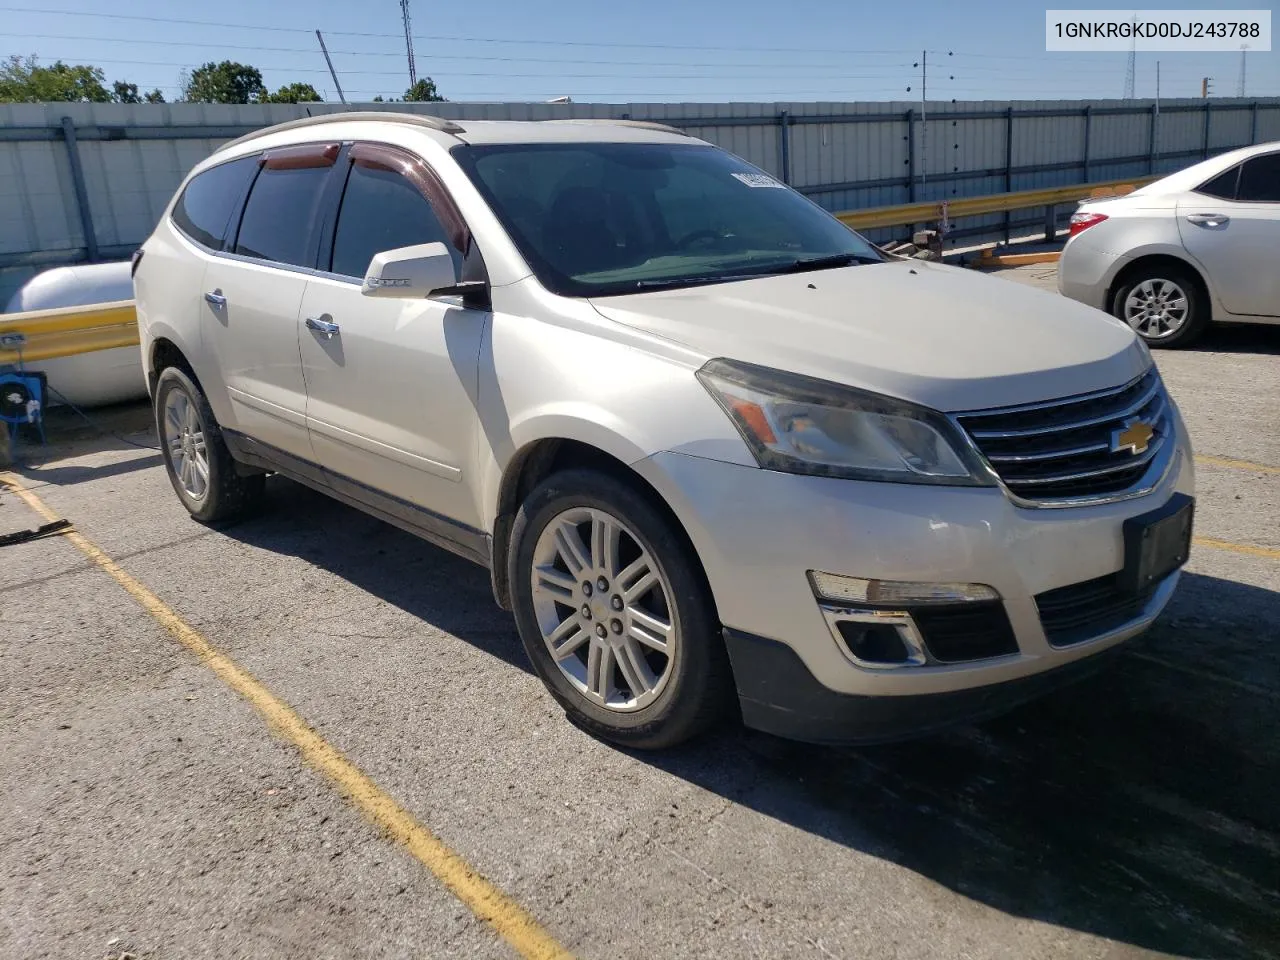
pixel 199 464
pixel 1163 304
pixel 615 614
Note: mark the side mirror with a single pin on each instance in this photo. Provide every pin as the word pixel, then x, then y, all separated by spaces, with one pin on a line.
pixel 417 271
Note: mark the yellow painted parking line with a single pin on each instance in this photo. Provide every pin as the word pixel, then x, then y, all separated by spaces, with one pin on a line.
pixel 507 917
pixel 1246 548
pixel 1236 464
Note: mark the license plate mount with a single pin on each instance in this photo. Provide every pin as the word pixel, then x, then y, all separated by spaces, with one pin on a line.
pixel 1157 543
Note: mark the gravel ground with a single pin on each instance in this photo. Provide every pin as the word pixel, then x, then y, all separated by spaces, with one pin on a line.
pixel 145 809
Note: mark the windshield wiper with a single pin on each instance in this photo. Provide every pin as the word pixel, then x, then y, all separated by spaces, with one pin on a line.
pixel 826 263
pixel 667 282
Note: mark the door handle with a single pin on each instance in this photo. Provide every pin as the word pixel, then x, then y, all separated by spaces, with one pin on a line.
pixel 216 298
pixel 326 327
pixel 1209 219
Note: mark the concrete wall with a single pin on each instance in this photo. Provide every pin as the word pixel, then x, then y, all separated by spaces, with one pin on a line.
pixel 844 155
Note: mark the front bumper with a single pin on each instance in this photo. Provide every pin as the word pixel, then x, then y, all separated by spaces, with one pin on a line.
pixel 758 532
pixel 779 695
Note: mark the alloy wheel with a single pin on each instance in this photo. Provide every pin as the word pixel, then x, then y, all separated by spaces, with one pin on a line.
pixel 604 609
pixel 185 441
pixel 1157 308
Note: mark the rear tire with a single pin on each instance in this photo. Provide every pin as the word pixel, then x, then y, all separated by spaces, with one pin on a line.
pixel 200 466
pixel 1164 304
pixel 602 575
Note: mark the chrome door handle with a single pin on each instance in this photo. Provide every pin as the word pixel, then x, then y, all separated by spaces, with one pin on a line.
pixel 216 298
pixel 1209 219
pixel 326 327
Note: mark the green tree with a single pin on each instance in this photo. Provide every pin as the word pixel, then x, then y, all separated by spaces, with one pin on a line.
pixel 295 93
pixel 225 82
pixel 23 80
pixel 125 92
pixel 155 96
pixel 424 91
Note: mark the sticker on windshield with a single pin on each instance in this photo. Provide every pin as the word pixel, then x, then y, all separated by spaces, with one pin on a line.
pixel 757 180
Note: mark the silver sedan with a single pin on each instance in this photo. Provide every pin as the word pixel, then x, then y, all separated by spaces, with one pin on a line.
pixel 1198 246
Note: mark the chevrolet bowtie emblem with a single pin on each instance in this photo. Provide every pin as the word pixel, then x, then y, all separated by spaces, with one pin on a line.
pixel 1135 437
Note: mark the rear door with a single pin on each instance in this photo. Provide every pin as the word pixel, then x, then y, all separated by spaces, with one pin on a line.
pixel 252 296
pixel 1231 225
pixel 391 394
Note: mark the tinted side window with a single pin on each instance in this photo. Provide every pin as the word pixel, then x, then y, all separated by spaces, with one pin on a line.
pixel 206 204
pixel 1222 186
pixel 279 214
pixel 1260 179
pixel 381 210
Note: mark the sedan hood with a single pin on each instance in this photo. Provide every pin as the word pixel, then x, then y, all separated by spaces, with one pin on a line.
pixel 942 336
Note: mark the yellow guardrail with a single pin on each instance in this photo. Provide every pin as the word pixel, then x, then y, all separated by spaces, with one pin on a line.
pixel 34 335
pixel 976 206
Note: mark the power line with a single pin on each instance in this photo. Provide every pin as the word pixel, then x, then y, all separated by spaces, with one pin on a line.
pixel 205 44
pixel 351 33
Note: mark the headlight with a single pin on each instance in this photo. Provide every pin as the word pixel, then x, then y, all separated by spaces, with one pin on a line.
pixel 799 424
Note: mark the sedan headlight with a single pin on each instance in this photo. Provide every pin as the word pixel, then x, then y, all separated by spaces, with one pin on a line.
pixel 800 424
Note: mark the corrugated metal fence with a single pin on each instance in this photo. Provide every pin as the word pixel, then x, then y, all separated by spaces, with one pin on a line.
pixel 86 182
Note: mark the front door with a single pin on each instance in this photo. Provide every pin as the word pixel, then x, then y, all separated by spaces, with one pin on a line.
pixel 1237 237
pixel 391 394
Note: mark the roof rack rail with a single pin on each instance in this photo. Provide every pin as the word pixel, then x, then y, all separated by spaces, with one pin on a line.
pixel 417 119
pixel 641 124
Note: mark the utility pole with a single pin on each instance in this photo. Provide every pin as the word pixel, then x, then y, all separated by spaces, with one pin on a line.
pixel 332 72
pixel 924 121
pixel 1244 49
pixel 408 41
pixel 1132 69
pixel 1205 86
pixel 1155 123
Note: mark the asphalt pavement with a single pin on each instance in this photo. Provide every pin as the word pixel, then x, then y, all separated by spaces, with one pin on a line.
pixel 149 808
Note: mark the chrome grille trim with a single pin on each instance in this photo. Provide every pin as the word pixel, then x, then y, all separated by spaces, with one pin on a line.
pixel 1129 411
pixel 1063 457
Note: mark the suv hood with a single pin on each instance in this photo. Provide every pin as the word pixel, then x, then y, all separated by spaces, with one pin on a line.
pixel 942 336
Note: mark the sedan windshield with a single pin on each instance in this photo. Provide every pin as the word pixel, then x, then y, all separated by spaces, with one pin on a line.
pixel 595 219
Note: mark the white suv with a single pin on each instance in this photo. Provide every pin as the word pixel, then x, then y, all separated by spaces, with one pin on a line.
pixel 707 440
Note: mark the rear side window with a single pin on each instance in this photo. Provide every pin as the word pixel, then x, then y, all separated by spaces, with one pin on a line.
pixel 381 210
pixel 206 204
pixel 279 216
pixel 1223 186
pixel 1260 179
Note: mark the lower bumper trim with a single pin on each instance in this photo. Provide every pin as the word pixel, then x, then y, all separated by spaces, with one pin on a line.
pixel 779 695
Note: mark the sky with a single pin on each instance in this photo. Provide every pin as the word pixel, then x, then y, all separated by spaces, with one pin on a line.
pixel 602 51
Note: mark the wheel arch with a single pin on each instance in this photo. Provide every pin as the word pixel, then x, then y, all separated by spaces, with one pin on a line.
pixel 1151 259
pixel 541 458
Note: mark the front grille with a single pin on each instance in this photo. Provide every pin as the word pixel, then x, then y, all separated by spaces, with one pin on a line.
pixel 1063 449
pixel 956 633
pixel 1082 611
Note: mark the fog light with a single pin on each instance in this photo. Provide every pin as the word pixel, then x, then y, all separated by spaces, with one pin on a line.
pixel 874 643
pixel 831 586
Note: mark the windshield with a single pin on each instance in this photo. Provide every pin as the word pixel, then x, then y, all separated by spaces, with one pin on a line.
pixel 594 219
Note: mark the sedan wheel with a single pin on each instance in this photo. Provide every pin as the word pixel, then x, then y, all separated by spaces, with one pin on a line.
pixel 1156 308
pixel 603 607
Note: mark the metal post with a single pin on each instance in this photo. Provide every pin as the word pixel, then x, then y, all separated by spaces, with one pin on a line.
pixel 1204 150
pixel 82 192
pixel 910 118
pixel 1050 223
pixel 333 73
pixel 784 132
pixel 1008 166
pixel 1253 124
pixel 1088 130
